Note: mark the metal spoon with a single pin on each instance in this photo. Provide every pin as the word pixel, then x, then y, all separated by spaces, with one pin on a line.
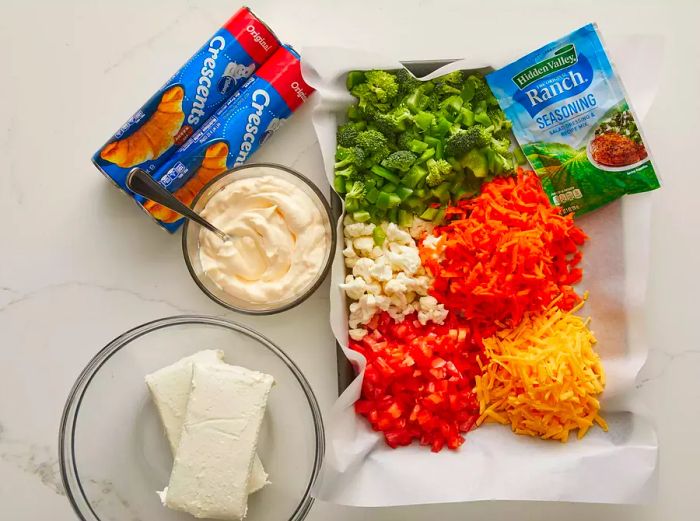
pixel 143 184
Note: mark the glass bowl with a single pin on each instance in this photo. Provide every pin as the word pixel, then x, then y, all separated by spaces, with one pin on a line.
pixel 190 237
pixel 113 452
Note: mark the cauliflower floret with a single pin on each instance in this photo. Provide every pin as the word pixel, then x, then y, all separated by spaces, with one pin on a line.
pixel 362 311
pixel 431 310
pixel 399 300
pixel 363 245
pixel 381 270
pixel 421 284
pixel 405 284
pixel 354 287
pixel 419 228
pixel 376 253
pixel 432 242
pixel 358 229
pixel 396 285
pixel 383 302
pixel 357 334
pixel 363 267
pixel 396 234
pixel 403 258
pixel 349 252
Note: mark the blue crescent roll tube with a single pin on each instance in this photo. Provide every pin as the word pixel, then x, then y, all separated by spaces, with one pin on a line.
pixel 233 134
pixel 185 102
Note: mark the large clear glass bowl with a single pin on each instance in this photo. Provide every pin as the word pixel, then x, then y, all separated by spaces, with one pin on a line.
pixel 113 452
pixel 190 237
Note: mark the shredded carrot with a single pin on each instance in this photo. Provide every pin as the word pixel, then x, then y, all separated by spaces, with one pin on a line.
pixel 505 253
pixel 543 377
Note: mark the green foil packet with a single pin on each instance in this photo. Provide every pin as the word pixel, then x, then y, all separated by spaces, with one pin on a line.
pixel 572 119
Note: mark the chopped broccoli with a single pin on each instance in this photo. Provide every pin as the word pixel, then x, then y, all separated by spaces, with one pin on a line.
pixel 443 90
pixel 345 156
pixel 500 146
pixel 405 139
pixel 453 78
pixel 438 170
pixel 391 122
pixel 401 160
pixel 500 123
pixel 481 88
pixel 476 161
pixel 383 84
pixel 407 82
pixel 347 134
pixel 357 191
pixel 371 141
pixel 376 157
pixel 463 141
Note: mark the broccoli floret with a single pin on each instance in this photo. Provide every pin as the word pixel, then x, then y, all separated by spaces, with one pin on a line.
pixel 347 135
pixel 394 121
pixel 463 141
pixel 367 99
pixel 383 84
pixel 453 78
pixel 498 163
pixel 421 97
pixel 500 146
pixel 376 157
pixel 476 161
pixel 371 141
pixel 357 191
pixel 407 82
pixel 405 138
pixel 500 123
pixel 481 88
pixel 401 160
pixel 443 90
pixel 352 156
pixel 438 170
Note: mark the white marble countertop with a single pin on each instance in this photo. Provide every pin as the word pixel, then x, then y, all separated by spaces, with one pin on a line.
pixel 79 264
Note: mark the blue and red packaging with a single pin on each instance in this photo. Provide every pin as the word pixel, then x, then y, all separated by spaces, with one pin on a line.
pixel 233 133
pixel 185 102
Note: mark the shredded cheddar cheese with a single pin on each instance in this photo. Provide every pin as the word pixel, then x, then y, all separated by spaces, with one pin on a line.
pixel 543 377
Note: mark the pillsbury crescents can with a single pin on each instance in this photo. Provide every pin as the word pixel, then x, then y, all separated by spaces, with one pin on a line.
pixel 234 132
pixel 185 102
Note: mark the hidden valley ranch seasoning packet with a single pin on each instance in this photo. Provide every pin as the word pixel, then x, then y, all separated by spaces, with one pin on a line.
pixel 573 121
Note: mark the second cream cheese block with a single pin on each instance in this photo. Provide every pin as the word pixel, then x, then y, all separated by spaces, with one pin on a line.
pixel 170 389
pixel 214 460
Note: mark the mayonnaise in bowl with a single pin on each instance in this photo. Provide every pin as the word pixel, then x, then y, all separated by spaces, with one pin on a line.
pixel 281 240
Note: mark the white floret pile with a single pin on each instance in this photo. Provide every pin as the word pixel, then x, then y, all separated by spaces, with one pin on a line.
pixel 385 278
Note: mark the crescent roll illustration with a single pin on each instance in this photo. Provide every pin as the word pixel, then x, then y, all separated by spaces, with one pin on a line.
pixel 213 164
pixel 155 136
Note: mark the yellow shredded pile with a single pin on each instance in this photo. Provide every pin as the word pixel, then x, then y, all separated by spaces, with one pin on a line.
pixel 543 377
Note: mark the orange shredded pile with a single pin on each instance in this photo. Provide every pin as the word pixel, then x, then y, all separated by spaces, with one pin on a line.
pixel 543 377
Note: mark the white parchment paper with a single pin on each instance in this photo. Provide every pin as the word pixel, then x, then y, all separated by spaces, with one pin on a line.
pixel 614 467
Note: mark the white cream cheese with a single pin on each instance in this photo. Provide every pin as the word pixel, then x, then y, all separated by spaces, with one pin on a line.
pixel 280 240
pixel 213 464
pixel 170 389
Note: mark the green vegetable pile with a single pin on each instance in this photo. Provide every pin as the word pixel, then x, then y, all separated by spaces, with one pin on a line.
pixel 412 147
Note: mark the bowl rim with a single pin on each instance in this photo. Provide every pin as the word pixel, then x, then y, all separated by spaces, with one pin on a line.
pixel 66 435
pixel 321 275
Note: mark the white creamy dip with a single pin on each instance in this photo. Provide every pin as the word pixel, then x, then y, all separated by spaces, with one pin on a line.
pixel 280 240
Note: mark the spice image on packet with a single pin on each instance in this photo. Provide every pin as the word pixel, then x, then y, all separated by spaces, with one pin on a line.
pixel 572 119
pixel 240 126
pixel 182 105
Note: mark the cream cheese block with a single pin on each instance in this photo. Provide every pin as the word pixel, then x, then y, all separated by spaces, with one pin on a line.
pixel 170 389
pixel 214 459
